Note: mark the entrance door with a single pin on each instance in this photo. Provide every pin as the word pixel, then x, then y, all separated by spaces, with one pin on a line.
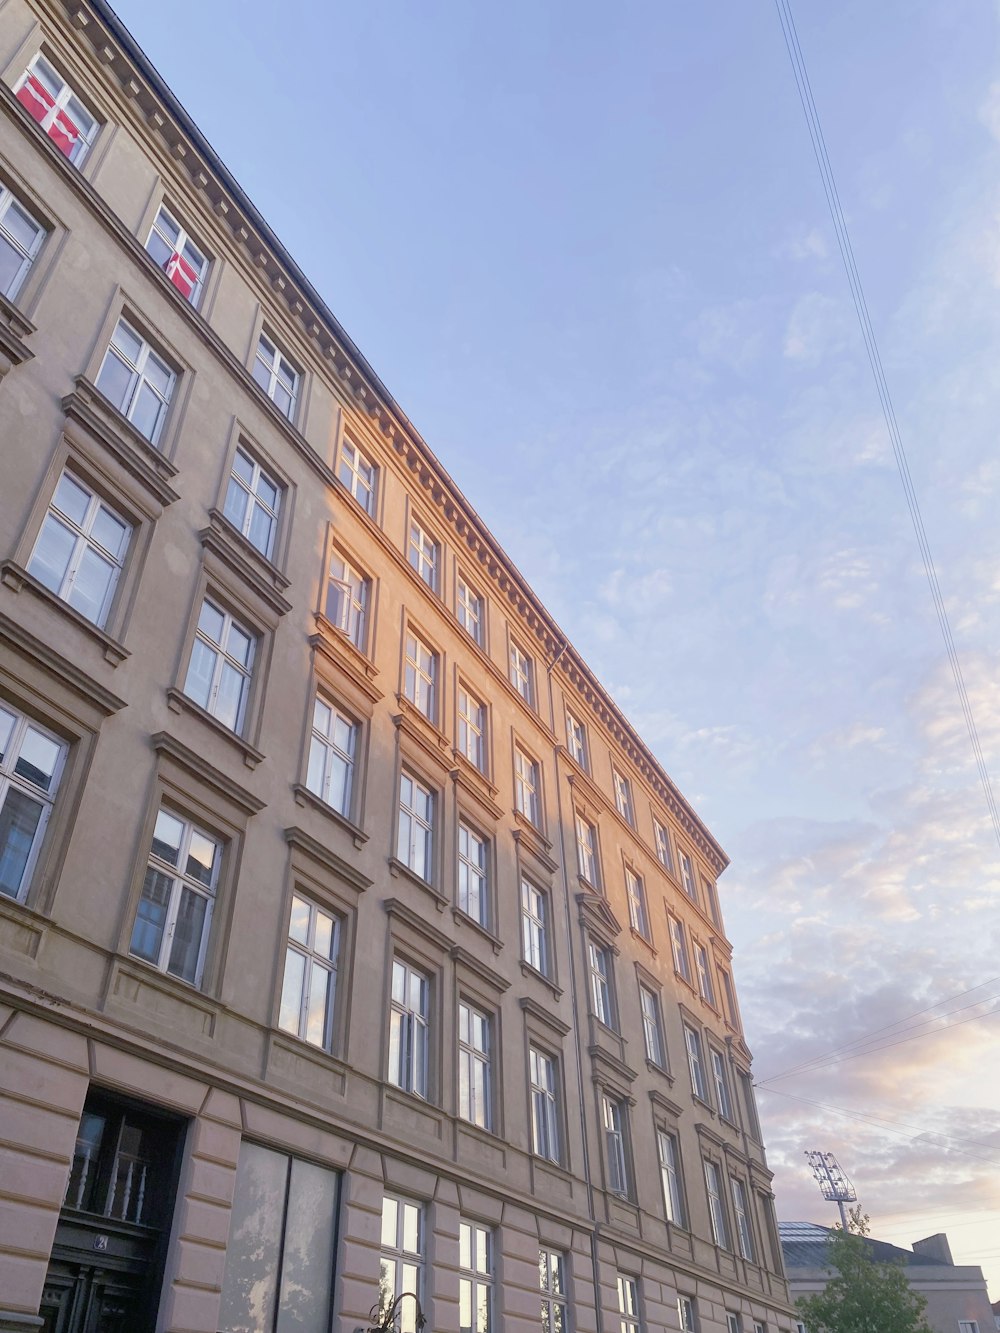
pixel 107 1261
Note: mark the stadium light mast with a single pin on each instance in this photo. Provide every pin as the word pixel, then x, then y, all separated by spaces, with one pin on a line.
pixel 833 1184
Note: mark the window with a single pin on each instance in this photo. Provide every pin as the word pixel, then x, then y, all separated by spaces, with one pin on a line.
pixel 663 852
pixel 623 796
pixel 527 798
pixel 21 239
pixel 136 380
pixel 424 554
pixel 61 114
pixel 401 1265
pixel 704 968
pixel 968 1326
pixel 80 550
pixel 600 983
pixel 474 1057
pixel 415 841
pixel 712 898
pixel 522 673
pixel 330 775
pixel 472 729
pixel 613 1118
pixel 687 877
pixel 586 850
pixel 276 376
pixel 716 1208
pixel 652 1027
pixel 473 896
pixel 31 763
pixel 750 1104
pixel 728 999
pixel 420 676
pixel 744 1236
pixel 359 475
pixel 552 1283
pixel 347 597
pixel 252 502
pixel 178 892
pixel 535 927
pixel 544 1105
pixel 733 1323
pixel 696 1063
pixel 678 947
pixel 670 1176
pixel 309 990
pixel 576 739
pixel 722 1098
pixel 475 1280
pixel 637 914
pixel 686 1314
pixel 408 1029
pixel 470 612
pixel 173 250
pixel 759 1327
pixel 219 673
pixel 282 1245
pixel 628 1304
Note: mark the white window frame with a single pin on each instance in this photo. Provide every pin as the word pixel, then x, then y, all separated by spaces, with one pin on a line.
pixel 420 674
pixel 527 787
pixel 423 553
pixel 711 894
pixel 472 728
pixel 177 248
pixel 587 860
pixel 399 1216
pixel 39 66
pixel 272 368
pixel 678 947
pixel 470 611
pixel 629 1320
pixel 254 502
pixel 703 968
pixel 968 1326
pixel 696 1063
pixel 475 1277
pixel 359 474
pixel 637 911
pixel 522 673
pixel 716 1204
pixel 668 1151
pixel 687 1314
pixel 475 1065
pixel 23 786
pixel 535 927
pixel 416 830
pixel 326 753
pixel 624 803
pixel 348 593
pixel 473 873
pixel 543 1075
pixel 601 994
pixel 576 739
pixel 734 1323
pixel 84 542
pixel 723 1097
pixel 409 1029
pixel 741 1212
pixel 552 1286
pixel 9 201
pixel 314 963
pixel 687 875
pixel 181 882
pixel 138 380
pixel 223 659
pixel 652 1026
pixel 615 1124
pixel 664 854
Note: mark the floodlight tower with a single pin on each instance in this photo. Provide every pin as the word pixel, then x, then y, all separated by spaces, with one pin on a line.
pixel 832 1182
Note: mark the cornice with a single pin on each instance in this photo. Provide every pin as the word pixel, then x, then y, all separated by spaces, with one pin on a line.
pixel 165 744
pixel 316 851
pixel 48 660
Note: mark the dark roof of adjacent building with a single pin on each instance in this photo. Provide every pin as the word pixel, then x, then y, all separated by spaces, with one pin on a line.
pixel 805 1244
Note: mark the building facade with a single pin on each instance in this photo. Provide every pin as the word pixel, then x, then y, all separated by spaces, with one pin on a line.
pixel 352 944
pixel 956 1296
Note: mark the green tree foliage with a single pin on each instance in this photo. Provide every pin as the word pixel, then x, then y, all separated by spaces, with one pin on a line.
pixel 864 1296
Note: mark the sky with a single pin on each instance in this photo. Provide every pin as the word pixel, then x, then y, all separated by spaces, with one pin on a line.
pixel 587 249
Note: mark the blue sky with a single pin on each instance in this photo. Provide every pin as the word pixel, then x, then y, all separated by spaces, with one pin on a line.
pixel 588 251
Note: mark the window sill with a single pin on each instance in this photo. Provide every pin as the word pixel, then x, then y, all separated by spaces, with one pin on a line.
pixel 178 702
pixel 87 407
pixel 14 328
pixel 660 1071
pixel 420 725
pixel 18 580
pixel 463 919
pixel 397 868
pixel 244 560
pixel 325 1059
pixel 303 796
pixel 528 971
pixel 643 939
pixel 337 648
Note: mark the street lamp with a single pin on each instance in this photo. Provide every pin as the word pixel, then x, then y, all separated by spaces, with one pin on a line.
pixel 388 1322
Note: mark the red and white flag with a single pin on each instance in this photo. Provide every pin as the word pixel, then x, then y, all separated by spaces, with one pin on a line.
pixel 63 133
pixel 35 98
pixel 181 274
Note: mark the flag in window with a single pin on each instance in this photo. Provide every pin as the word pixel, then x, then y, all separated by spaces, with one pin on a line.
pixel 181 274
pixel 63 133
pixel 35 98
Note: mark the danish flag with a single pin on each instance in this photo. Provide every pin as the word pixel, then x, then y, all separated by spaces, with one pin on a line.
pixel 181 274
pixel 40 104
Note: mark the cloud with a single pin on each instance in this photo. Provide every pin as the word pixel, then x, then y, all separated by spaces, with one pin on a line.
pixel 817 328
pixel 811 244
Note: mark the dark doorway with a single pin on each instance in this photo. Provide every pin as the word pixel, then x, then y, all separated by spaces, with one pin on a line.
pixel 107 1261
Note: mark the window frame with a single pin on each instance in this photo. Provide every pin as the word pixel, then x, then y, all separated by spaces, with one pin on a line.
pixel 652 1022
pixel 421 685
pixel 10 200
pixel 587 850
pixel 717 1217
pixel 411 1073
pixel 687 875
pixel 10 780
pixel 629 1315
pixel 664 851
pixel 741 1213
pixel 354 481
pixel 545 1105
pixel 427 823
pixel 614 1124
pixel 671 1176
pixel 720 1084
pixel 333 753
pixel 535 927
pixel 528 787
pixel 521 672
pixel 234 483
pixel 480 870
pixel 136 370
pixel 694 1049
pixel 576 740
pixel 473 624
pixel 351 603
pixel 184 241
pixel 59 102
pixel 687 1314
pixel 313 961
pixel 472 730
pixel 402 1259
pixel 280 361
pixel 638 907
pixel 624 796
pixel 552 1290
pixel 473 1059
pixel 678 947
pixel 703 971
pixel 424 553
pixel 600 969
pixel 247 671
pixel 475 1281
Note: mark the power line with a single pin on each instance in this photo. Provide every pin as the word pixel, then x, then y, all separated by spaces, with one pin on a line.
pixel 888 411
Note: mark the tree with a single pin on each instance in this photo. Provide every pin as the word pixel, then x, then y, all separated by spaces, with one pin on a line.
pixel 865 1296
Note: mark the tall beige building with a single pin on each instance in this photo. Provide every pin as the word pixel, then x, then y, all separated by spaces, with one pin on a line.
pixel 352 944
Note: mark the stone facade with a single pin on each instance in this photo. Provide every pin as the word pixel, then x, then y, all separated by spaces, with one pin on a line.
pixel 449 938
